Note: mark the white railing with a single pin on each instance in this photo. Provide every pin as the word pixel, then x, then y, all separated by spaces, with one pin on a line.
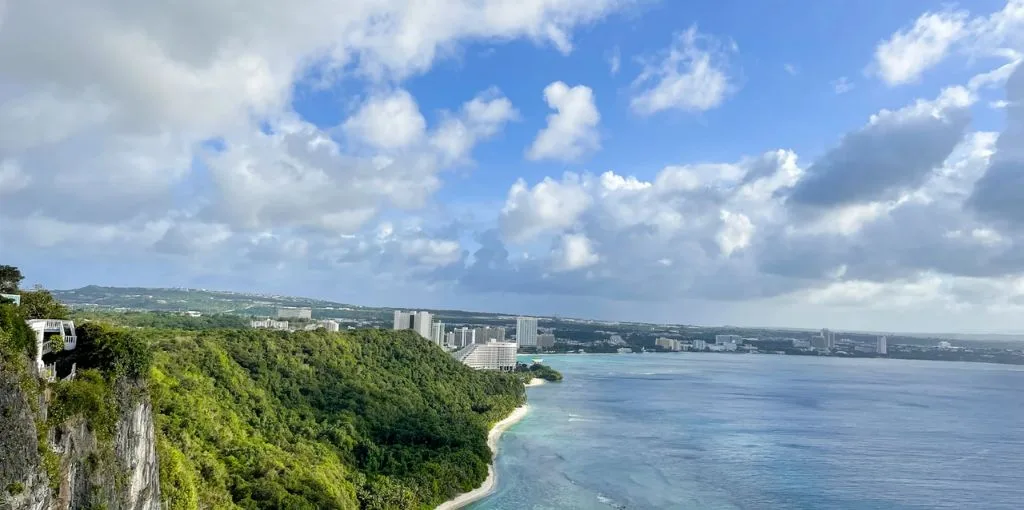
pixel 70 342
pixel 55 324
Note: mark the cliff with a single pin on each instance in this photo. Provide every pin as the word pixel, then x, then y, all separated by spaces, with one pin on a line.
pixel 72 466
pixel 83 442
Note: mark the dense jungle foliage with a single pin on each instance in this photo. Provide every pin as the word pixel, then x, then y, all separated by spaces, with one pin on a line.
pixel 364 419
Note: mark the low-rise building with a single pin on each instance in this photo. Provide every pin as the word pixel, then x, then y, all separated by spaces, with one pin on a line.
pixel 13 297
pixel 726 339
pixel 269 324
pixel 331 326
pixel 698 345
pixel 489 356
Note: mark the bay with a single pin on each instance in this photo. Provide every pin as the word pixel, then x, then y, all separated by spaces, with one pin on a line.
pixel 719 431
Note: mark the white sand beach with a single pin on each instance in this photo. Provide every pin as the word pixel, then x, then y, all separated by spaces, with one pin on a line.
pixel 536 381
pixel 492 441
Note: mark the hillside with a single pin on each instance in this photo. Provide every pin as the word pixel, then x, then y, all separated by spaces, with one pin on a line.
pixel 368 419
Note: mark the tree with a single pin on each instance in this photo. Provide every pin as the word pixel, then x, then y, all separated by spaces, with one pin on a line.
pixel 38 303
pixel 10 278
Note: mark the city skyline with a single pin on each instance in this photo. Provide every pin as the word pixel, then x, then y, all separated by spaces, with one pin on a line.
pixel 704 169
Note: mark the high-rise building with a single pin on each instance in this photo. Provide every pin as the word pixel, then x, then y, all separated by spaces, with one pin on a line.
pixel 485 334
pixel 464 336
pixel 526 331
pixel 882 346
pixel 828 338
pixel 330 325
pixel 437 333
pixel 546 340
pixel 421 322
pixel 488 356
pixel 403 320
pixel 668 343
pixel 698 345
pixel 449 339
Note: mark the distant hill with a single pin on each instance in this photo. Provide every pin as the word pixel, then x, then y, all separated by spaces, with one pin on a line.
pixel 180 299
pixel 242 303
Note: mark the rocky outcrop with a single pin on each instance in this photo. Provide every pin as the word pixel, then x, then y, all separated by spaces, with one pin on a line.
pixel 135 447
pixel 118 474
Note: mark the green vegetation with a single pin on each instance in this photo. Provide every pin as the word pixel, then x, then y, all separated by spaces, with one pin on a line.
pixel 368 419
pixel 164 320
pixel 10 279
pixel 259 419
pixel 39 303
pixel 110 362
pixel 15 488
pixel 544 372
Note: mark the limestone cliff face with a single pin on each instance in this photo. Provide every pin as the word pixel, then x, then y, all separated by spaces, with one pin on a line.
pixel 135 446
pixel 123 475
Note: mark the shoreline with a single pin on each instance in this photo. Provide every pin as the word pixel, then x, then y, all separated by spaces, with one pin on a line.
pixel 536 381
pixel 490 482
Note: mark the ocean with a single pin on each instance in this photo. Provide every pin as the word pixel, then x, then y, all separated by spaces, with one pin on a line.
pixel 719 431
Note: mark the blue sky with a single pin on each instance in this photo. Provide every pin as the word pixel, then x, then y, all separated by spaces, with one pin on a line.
pixel 818 164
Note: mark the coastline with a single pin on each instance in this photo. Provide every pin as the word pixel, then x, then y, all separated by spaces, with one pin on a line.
pixel 491 481
pixel 536 381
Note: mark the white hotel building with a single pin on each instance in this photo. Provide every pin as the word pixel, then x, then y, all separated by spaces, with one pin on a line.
pixel 526 331
pixel 489 356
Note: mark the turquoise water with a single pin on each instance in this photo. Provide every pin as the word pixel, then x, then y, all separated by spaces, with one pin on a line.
pixel 711 431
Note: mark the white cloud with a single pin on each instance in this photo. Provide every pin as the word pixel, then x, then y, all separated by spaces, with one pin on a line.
pixel 550 206
pixel 480 118
pixel 387 121
pixel 735 233
pixel 614 61
pixel 909 52
pixel 113 94
pixel 690 76
pixel 12 179
pixel 842 85
pixel 571 132
pixel 575 251
pixel 791 69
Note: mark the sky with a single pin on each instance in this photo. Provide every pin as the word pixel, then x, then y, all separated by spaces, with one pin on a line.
pixel 839 164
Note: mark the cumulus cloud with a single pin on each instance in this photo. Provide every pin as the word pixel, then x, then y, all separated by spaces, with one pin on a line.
pixel 999 194
pixel 893 153
pixel 387 121
pixel 574 252
pixel 571 131
pixel 691 75
pixel 909 52
pixel 480 118
pixel 549 206
pixel 112 93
